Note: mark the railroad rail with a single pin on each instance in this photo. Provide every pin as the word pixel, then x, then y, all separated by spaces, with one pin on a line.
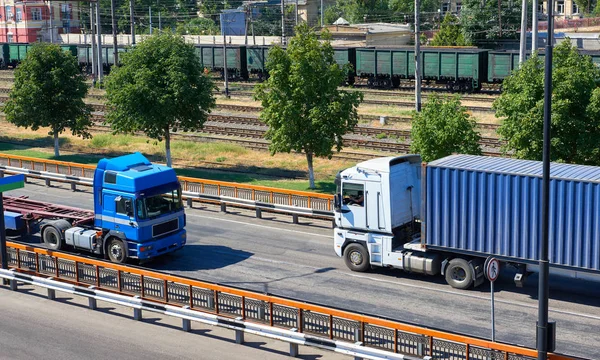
pixel 242 310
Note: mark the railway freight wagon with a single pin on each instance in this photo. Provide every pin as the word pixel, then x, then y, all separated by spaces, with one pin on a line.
pixel 84 55
pixel 211 57
pixel 461 69
pixel 448 216
pixel 343 56
pixel 14 53
pixel 256 61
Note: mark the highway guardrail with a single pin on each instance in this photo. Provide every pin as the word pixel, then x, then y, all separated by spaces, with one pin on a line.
pixel 260 198
pixel 246 311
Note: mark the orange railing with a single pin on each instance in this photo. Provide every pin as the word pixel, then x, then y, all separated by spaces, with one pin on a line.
pixel 301 199
pixel 316 320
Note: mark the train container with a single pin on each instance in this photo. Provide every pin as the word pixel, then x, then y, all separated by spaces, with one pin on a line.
pixel 18 51
pixel 256 60
pixel 461 69
pixel 211 57
pixel 448 216
pixel 346 56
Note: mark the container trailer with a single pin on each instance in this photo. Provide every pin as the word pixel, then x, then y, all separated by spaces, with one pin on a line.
pixel 448 216
pixel 138 213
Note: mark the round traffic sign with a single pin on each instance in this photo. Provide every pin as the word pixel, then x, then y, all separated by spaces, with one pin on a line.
pixel 492 269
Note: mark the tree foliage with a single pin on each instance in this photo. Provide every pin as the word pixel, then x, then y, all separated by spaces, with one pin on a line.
pixel 575 108
pixel 450 33
pixel 159 88
pixel 444 127
pixel 48 92
pixel 480 20
pixel 305 110
pixel 198 26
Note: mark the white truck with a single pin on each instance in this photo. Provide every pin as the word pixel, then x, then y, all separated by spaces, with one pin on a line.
pixel 447 217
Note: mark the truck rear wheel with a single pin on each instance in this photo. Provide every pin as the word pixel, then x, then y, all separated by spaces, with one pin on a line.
pixel 356 257
pixel 116 250
pixel 52 238
pixel 458 274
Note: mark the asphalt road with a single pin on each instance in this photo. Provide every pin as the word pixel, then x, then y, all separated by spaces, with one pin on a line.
pixel 298 261
pixel 32 327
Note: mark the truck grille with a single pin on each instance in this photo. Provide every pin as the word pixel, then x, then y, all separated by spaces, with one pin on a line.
pixel 165 228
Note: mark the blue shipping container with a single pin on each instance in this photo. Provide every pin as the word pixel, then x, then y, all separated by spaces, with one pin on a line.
pixel 491 206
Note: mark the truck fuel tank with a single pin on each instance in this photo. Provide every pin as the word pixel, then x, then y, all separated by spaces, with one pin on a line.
pixel 422 263
pixel 80 237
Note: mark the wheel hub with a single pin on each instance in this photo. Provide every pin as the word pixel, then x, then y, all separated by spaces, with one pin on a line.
pixel 116 251
pixel 356 258
pixel 459 274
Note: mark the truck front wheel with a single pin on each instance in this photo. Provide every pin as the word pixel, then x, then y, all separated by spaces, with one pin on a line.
pixel 356 257
pixel 458 274
pixel 116 250
pixel 52 238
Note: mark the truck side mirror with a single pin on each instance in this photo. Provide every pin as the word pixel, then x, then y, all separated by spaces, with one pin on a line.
pixel 128 208
pixel 337 202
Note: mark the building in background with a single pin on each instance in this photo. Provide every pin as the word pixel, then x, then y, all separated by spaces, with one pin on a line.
pixel 29 21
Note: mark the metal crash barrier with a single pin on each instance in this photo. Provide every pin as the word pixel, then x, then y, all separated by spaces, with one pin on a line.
pixel 260 198
pixel 296 322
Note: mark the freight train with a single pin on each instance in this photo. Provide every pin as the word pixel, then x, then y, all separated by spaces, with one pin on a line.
pixel 459 69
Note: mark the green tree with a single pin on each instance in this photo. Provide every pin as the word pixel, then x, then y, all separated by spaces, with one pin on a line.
pixel 159 88
pixel 480 20
pixel 575 108
pixel 450 33
pixel 444 127
pixel 48 92
pixel 305 110
pixel 198 26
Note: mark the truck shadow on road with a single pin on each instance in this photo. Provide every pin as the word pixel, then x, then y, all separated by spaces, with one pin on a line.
pixel 194 257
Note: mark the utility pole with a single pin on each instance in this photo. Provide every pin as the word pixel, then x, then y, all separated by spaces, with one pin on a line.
pixel 225 76
pixel 282 23
pixel 114 32
pixel 99 28
pixel 322 24
pixel 93 49
pixel 543 292
pixel 296 12
pixel 417 59
pixel 132 21
pixel 159 22
pixel 500 17
pixel 246 28
pixel 523 49
pixel 534 26
pixel 150 16
pixel 51 22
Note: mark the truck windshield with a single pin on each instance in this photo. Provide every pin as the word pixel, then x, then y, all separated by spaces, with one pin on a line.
pixel 157 205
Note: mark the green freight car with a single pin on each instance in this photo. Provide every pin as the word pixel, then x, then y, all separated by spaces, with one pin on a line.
pixel 18 51
pixel 460 69
pixel 84 55
pixel 346 56
pixel 256 60
pixel 211 57
pixel 502 63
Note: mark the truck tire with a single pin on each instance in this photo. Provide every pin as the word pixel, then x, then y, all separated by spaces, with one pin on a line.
pixel 116 250
pixel 356 257
pixel 458 274
pixel 51 236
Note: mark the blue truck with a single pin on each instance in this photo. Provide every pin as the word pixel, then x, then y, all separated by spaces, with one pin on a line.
pixel 447 217
pixel 138 213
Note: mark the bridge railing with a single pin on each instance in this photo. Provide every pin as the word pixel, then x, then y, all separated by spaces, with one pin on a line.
pixel 303 203
pixel 320 324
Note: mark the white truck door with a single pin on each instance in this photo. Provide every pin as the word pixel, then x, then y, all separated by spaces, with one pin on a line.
pixel 353 205
pixel 374 206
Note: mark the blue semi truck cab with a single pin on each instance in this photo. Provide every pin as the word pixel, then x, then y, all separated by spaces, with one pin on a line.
pixel 138 213
pixel 138 206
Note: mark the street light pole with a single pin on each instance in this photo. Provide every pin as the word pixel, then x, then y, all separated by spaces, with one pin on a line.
pixel 543 290
pixel 417 59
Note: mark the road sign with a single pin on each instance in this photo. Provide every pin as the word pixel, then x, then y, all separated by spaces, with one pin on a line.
pixel 492 269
